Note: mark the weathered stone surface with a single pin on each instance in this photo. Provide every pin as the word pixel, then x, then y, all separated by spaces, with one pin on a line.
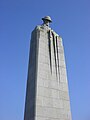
pixel 47 95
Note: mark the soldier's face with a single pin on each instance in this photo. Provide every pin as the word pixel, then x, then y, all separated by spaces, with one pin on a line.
pixel 46 22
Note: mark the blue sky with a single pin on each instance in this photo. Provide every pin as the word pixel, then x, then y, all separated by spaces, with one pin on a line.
pixel 71 20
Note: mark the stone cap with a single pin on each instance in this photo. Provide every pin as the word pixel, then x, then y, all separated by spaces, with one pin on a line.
pixel 47 18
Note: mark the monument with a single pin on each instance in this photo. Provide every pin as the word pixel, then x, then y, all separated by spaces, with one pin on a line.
pixel 47 96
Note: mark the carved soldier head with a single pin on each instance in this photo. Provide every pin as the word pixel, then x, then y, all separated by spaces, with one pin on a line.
pixel 47 20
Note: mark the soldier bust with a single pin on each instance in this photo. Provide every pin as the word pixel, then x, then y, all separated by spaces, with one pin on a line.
pixel 46 26
pixel 46 20
pixel 46 23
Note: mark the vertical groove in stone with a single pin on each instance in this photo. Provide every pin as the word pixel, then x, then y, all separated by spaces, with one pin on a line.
pixel 54 52
pixel 49 46
pixel 57 58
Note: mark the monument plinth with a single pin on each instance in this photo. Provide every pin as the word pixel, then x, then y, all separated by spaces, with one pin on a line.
pixel 47 96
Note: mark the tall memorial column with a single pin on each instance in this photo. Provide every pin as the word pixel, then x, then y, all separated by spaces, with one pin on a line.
pixel 47 96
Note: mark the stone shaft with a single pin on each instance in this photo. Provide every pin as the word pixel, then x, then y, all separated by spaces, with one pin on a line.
pixel 47 96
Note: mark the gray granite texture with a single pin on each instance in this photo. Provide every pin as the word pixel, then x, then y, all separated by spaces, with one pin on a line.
pixel 47 96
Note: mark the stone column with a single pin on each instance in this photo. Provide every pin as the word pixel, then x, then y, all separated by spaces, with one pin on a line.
pixel 47 96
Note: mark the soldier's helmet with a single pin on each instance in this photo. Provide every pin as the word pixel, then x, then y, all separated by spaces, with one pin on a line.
pixel 47 18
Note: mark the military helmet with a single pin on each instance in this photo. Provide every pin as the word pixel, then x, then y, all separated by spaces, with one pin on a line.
pixel 47 18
